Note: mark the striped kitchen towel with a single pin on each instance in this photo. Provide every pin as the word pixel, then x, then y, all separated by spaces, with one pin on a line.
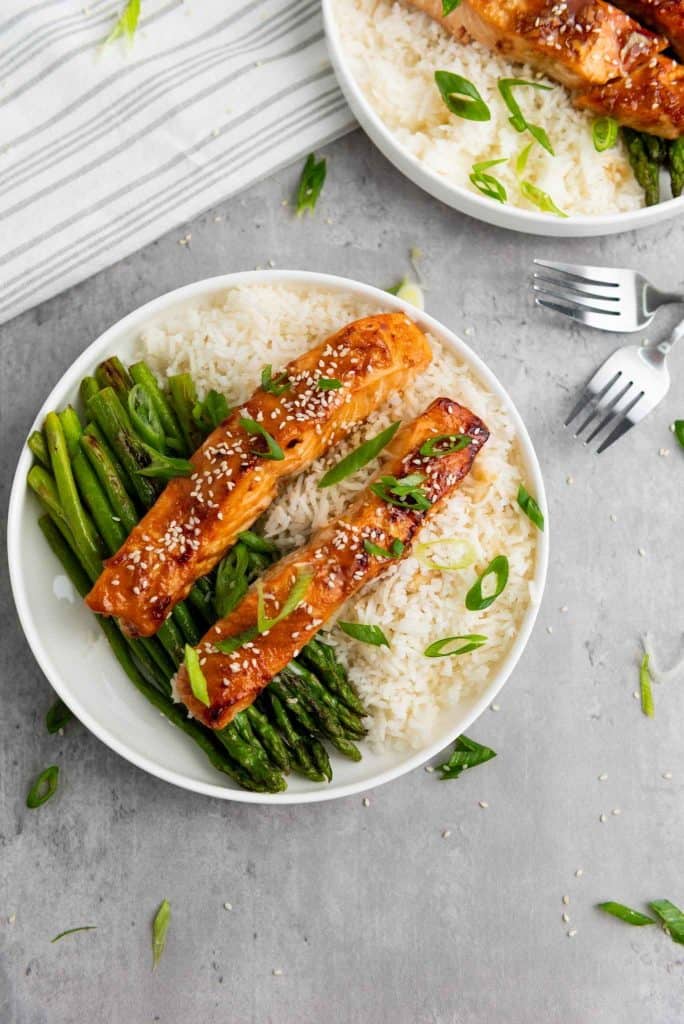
pixel 103 149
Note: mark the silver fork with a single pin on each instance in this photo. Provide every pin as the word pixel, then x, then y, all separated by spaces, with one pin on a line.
pixel 609 298
pixel 626 388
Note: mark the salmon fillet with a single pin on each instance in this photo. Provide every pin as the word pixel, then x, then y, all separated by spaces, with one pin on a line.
pixel 663 16
pixel 591 47
pixel 197 519
pixel 338 563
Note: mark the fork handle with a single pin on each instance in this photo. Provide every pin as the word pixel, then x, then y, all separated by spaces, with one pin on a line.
pixel 654 299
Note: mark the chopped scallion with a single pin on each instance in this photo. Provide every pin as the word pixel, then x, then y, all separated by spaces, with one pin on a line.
pixel 58 716
pixel 487 184
pixel 72 931
pixel 444 444
pixel 328 384
pixel 396 549
pixel 293 600
pixel 517 118
pixel 530 507
pixel 274 451
pixel 645 690
pixel 164 467
pixel 466 754
pixel 679 431
pixel 44 787
pixel 357 459
pixel 198 682
pixel 310 184
pixel 475 600
pixel 604 133
pixel 460 553
pixel 274 385
pixel 448 6
pixel 160 927
pixel 461 96
pixel 367 634
pixel 403 492
pixel 671 916
pixel 126 24
pixel 442 649
pixel 625 913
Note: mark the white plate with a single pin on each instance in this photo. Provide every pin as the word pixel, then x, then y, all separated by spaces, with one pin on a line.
pixel 71 649
pixel 529 221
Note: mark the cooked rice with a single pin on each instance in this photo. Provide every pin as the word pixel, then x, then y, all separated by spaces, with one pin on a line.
pixel 225 345
pixel 394 52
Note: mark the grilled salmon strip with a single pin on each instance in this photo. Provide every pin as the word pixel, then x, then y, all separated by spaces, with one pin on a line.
pixel 663 16
pixel 337 564
pixel 589 46
pixel 197 519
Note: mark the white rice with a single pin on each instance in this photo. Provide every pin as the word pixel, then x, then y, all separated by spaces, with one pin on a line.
pixel 225 345
pixel 394 52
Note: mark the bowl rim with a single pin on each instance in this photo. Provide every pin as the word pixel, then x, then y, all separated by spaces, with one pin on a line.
pixel 512 217
pixel 197 291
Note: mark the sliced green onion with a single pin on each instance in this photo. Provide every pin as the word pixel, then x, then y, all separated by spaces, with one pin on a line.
pixel 72 931
pixel 405 492
pixel 328 384
pixel 357 459
pixel 231 580
pixel 475 600
pixel 43 788
pixel 310 184
pixel 522 158
pixel 409 291
pixel 292 601
pixel 145 418
pixel 396 549
pixel 448 6
pixel 517 118
pixel 645 690
pixel 234 643
pixel 466 754
pixel 367 634
pixel 58 716
pixel 198 682
pixel 463 554
pixel 275 452
pixel 625 913
pixel 671 916
pixel 540 199
pixel 445 444
pixel 440 648
pixel 461 96
pixel 160 927
pixel 165 467
pixel 487 184
pixel 604 132
pixel 274 385
pixel 211 412
pixel 679 431
pixel 126 24
pixel 530 507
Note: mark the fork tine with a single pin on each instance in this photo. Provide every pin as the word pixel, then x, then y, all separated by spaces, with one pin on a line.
pixel 597 305
pixel 611 409
pixel 585 316
pixel 594 275
pixel 588 396
pixel 603 402
pixel 573 287
pixel 621 427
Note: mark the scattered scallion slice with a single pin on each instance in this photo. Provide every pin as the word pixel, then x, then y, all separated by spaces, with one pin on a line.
pixel 475 600
pixel 409 291
pixel 671 916
pixel 198 682
pixel 274 385
pixel 625 913
pixel 164 467
pixel 530 507
pixel 328 384
pixel 292 601
pixel 441 648
pixel 231 580
pixel 396 549
pixel 44 787
pixel 542 200
pixel 310 184
pixel 461 96
pixel 126 24
pixel 444 444
pixel 160 927
pixel 274 452
pixel 357 459
pixel 517 118
pixel 144 417
pixel 211 412
pixel 58 716
pixel 487 184
pixel 645 690
pixel 522 158
pixel 367 634
pixel 403 492
pixel 234 643
pixel 72 931
pixel 466 754
pixel 448 6
pixel 604 132
pixel 462 554
pixel 679 431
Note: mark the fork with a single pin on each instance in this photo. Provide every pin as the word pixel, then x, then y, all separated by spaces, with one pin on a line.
pixel 608 298
pixel 623 390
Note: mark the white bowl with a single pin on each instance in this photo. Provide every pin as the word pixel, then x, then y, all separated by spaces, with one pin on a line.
pixel 529 221
pixel 71 649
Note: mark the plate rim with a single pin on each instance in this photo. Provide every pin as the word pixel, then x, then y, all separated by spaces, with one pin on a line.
pixel 196 291
pixel 459 198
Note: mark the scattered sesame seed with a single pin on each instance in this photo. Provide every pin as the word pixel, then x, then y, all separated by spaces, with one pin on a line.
pixel 11 919
pixel 569 480
pixel 572 933
pixel 564 608
pixel 446 833
pixel 565 901
pixel 429 768
pixel 277 972
pixel 616 811
pixel 664 452
pixel 483 803
pixel 365 802
pixel 227 906
pixel 667 775
pixel 565 918
pixel 635 694
pixel 603 776
pixel 641 552
pixel 496 707
pixel 549 629
pixel 579 873
pixel 469 331
pixel 602 818
pixel 613 517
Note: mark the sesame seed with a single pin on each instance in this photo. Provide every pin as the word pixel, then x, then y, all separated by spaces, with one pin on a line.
pixel 579 873
pixel 616 811
pixel 277 972
pixel 365 802
pixel 569 480
pixel 603 777
pixel 483 803
pixel 227 906
pixel 429 768
pixel 446 833
pixel 667 775
pixel 565 918
pixel 496 707
pixel 641 552
pixel 602 818
pixel 572 933
pixel 565 901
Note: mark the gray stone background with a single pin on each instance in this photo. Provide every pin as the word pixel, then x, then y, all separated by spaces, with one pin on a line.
pixel 369 912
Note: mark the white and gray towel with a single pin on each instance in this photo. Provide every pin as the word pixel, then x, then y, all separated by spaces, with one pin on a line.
pixel 102 150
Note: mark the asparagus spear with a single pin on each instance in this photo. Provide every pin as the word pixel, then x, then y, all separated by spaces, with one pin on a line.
pixel 645 158
pixel 269 737
pixel 183 399
pixel 142 375
pixel 349 721
pixel 302 760
pixel 38 448
pixel 113 374
pixel 675 160
pixel 87 388
pixel 110 480
pixel 251 757
pixel 321 658
pixel 115 424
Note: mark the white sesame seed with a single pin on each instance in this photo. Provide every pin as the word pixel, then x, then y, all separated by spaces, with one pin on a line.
pixel 613 517
pixel 565 901
pixel 277 972
pixel 365 802
pixel 616 811
pixel 579 873
pixel 602 818
pixel 11 919
pixel 549 629
pixel 496 707
pixel 569 480
pixel 483 803
pixel 667 775
pixel 429 768
pixel 641 552
pixel 446 833
pixel 603 777
pixel 565 918
pixel 227 906
pixel 572 933
pixel 564 608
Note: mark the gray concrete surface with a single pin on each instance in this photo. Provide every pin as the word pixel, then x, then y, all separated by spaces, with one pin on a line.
pixel 372 916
